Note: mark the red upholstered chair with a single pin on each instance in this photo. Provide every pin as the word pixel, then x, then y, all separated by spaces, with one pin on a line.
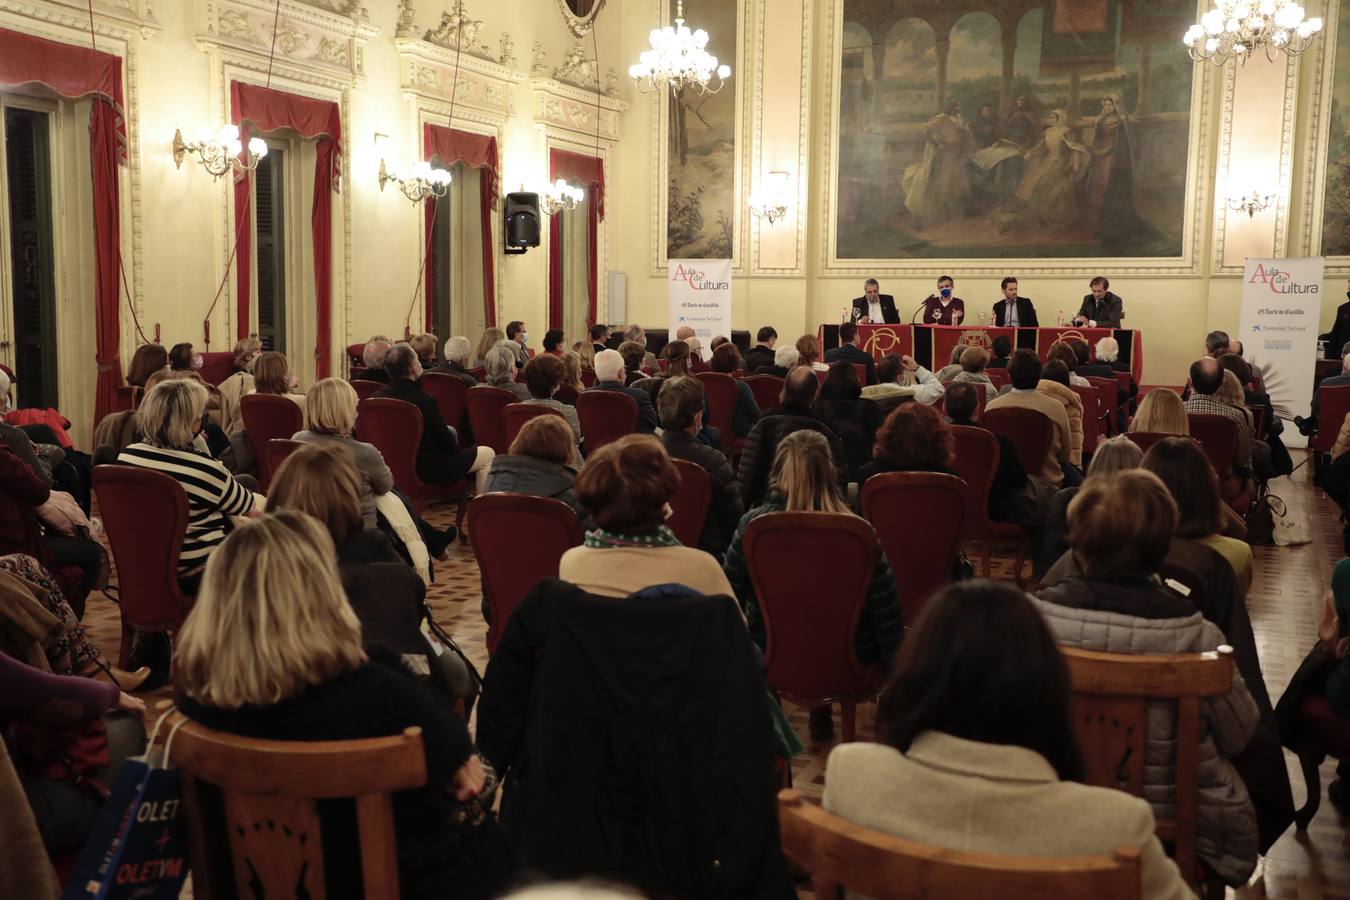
pixel 517 414
pixel 1146 439
pixel 268 416
pixel 487 415
pixel 1091 418
pixel 723 392
pixel 357 373
pixel 1031 432
pixel 811 572
pixel 977 455
pixel 365 389
pixel 588 378
pixel 480 373
pixel 605 416
pixel 217 366
pixel 1322 732
pixel 566 394
pixel 395 428
pixel 145 516
pixel 511 567
pixel 356 354
pixel 278 450
pixel 1218 436
pixel 922 558
pixel 1108 397
pixel 768 391
pixel 450 393
pixel 1332 405
pixel 690 503
pixel 861 371
pixel 998 376
pixel 128 398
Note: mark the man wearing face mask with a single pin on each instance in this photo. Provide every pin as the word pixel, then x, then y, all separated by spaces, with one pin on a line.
pixel 1339 334
pixel 518 336
pixel 1101 308
pixel 942 308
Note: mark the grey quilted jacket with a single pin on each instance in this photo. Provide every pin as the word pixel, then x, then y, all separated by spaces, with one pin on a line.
pixel 1227 838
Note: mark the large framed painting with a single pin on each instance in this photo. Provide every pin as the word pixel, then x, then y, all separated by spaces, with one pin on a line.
pixel 1336 190
pixel 1013 129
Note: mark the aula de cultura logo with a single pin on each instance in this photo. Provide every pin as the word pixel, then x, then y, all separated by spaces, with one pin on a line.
pixel 696 279
pixel 1280 282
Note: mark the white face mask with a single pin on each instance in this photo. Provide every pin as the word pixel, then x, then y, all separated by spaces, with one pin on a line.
pixel 524 337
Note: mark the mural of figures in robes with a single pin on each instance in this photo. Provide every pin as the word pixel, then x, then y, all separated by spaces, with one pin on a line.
pixel 1336 206
pixel 1013 128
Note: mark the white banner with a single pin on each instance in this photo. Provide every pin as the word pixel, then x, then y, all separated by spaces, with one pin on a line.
pixel 700 297
pixel 1281 309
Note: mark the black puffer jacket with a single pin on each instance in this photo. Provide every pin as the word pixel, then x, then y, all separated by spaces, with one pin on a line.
pixel 762 442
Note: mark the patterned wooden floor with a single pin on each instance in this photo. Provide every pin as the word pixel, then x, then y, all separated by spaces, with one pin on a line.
pixel 1284 601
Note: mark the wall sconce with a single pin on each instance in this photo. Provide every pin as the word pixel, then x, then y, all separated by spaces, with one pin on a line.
pixel 560 196
pixel 771 200
pixel 219 151
pixel 421 181
pixel 1251 204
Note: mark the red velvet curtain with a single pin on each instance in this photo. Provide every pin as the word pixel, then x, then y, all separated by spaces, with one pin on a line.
pixel 590 173
pixel 476 151
pixel 74 73
pixel 269 110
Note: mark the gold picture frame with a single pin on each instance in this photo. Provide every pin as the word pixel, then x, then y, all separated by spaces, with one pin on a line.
pixel 580 23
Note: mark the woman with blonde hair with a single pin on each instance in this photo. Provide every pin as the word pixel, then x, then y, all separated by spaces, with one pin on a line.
pixel 1231 393
pixel 491 338
pixel 572 366
pixel 330 420
pixel 272 650
pixel 1161 412
pixel 808 353
pixel 424 345
pixel 272 375
pixel 238 385
pixel 585 352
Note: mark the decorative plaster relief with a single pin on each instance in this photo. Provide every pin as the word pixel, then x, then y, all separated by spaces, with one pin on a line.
pixel 325 36
pixel 428 70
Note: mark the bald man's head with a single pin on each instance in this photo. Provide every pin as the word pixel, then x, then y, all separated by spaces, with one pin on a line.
pixel 801 386
pixel 1206 375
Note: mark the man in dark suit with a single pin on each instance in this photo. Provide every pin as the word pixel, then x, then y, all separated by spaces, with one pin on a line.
pixel 1101 308
pixel 1003 348
pixel 1014 311
pixel 850 353
pixel 599 334
pixel 609 372
pixel 874 307
pixel 681 405
pixel 794 414
pixel 762 353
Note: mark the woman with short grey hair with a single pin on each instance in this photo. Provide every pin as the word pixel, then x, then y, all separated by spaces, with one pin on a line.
pixel 501 371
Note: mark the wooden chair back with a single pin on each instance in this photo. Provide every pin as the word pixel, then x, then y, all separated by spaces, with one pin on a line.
pixel 691 501
pixel 252 809
pixel 1111 696
pixel 841 854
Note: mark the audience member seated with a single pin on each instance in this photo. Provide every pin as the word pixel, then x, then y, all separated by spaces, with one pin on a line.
pixel 1339 380
pixel 272 649
pixel 1064 353
pixel 1338 680
pixel 491 338
pixel 374 356
pixel 170 416
pixel 543 375
pixel 1162 411
pixel 626 486
pixel 1013 497
pixel 440 459
pixel 1252 394
pixel 1003 347
pixel 553 342
pixel 1054 383
pixel 330 420
pixel 763 353
pixel 794 414
pixel 808 353
pixel 855 421
pixel 637 334
pixel 1202 516
pixel 681 406
pixel 1024 375
pixel 1083 358
pixel 914 438
pixel 239 385
pixel 517 338
pixel 599 335
pixel 541 462
pixel 1206 379
pixel 1120 528
pixel 1116 455
pixel 182 358
pixel 1217 344
pixel 911 379
pixel 272 375
pixel 784 358
pixel 424 345
pixel 974 360
pixel 727 360
pixel 35 445
pixel 634 355
pixel 501 371
pixel 572 368
pixel 609 374
pixel 456 359
pixel 849 352
pixel 953 367
pixel 147 360
pixel 68 738
pixel 585 352
pixel 976 750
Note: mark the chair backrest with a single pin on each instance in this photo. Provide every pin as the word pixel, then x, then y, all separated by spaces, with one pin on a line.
pixel 861 371
pixel 723 393
pixel 128 398
pixel 566 394
pixel 1332 405
pixel 395 428
pixel 841 854
pixel 605 416
pixel 449 392
pixel 1108 396
pixel 1260 418
pixel 232 785
pixel 1091 414
pixel 511 567
pixel 357 373
pixel 480 373
pixel 145 515
pixel 216 366
pixel 1146 439
pixel 981 399
pixel 921 558
pixel 268 416
pixel 976 461
pixel 588 378
pixel 999 377
pixel 768 391
pixel 811 573
pixel 356 354
pixel 365 390
pixel 1218 437
pixel 487 415
pixel 516 415
pixel 691 501
pixel 1030 431
pixel 1111 695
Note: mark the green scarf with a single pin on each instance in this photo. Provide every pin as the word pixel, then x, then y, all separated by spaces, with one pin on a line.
pixel 661 537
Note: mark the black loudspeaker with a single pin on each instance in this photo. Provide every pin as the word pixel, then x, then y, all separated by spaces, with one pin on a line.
pixel 522 222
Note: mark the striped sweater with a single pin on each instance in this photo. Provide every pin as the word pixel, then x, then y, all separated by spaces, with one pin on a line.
pixel 212 495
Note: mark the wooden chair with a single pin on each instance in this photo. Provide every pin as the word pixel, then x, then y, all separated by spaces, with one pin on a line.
pixel 365 389
pixel 768 391
pixel 252 809
pixel 278 450
pixel 841 854
pixel 267 416
pixel 516 415
pixel 395 428
pixel 511 567
pixel 1111 696
pixel 487 415
pixel 1031 432
pixel 811 573
pixel 922 558
pixel 605 416
pixel 450 393
pixel 976 461
pixel 691 501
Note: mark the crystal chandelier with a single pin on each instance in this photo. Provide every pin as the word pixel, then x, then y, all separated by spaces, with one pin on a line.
pixel 678 58
pixel 421 182
pixel 771 200
pixel 219 151
pixel 560 196
pixel 1251 203
pixel 1237 29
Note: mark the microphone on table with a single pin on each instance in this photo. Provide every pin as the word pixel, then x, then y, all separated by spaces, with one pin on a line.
pixel 922 304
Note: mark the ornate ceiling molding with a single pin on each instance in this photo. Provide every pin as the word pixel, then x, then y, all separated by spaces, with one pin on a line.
pixel 428 71
pixel 571 111
pixel 577 69
pixel 321 36
pixel 114 18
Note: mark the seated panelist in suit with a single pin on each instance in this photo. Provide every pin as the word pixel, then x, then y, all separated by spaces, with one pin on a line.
pixel 874 307
pixel 849 352
pixel 1014 311
pixel 1101 308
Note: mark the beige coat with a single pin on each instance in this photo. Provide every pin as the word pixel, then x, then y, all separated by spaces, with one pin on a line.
pixel 1073 408
pixel 992 798
pixel 1342 439
pixel 1061 441
pixel 232 390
